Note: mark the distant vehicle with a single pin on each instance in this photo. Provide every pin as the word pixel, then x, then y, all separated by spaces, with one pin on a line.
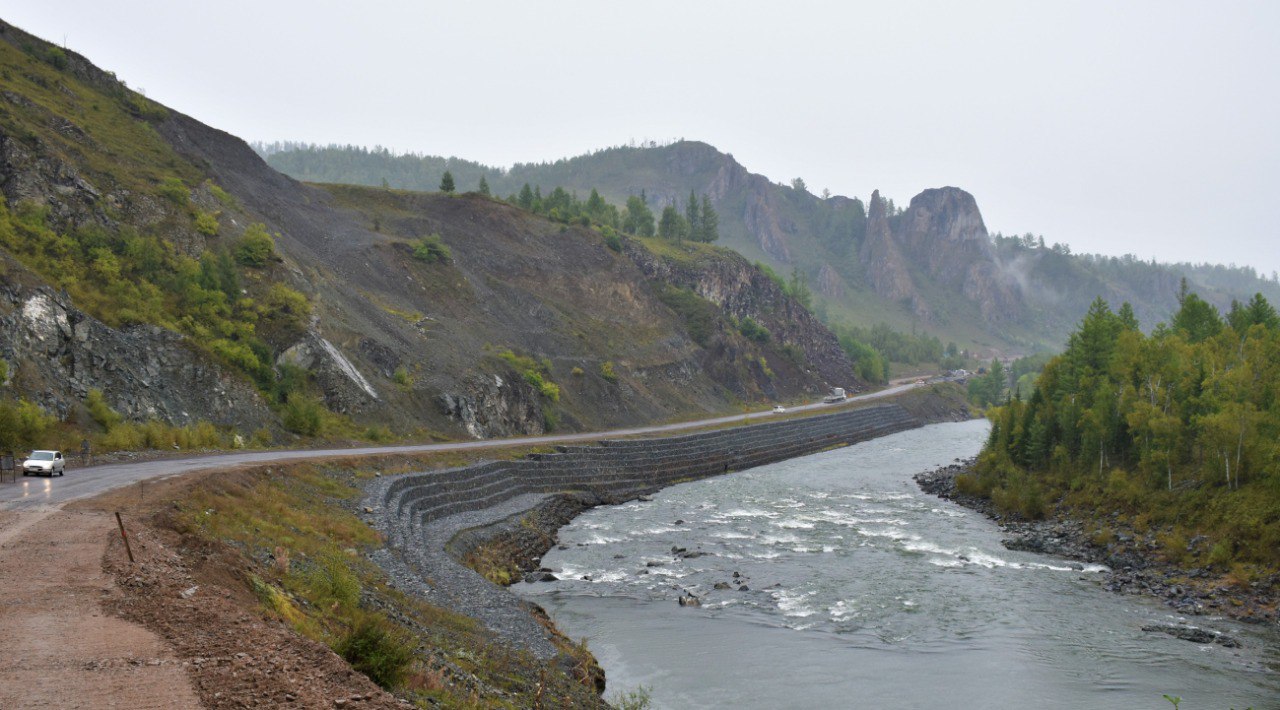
pixel 46 463
pixel 779 409
pixel 837 395
pixel 920 382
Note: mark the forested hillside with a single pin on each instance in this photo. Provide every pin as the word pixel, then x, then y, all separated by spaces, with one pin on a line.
pixel 1175 432
pixel 928 265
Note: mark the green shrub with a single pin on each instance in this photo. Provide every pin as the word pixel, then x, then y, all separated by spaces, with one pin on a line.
pixel 375 648
pixel 173 189
pixel 431 249
pixel 636 699
pixel 23 425
pixel 401 377
pixel 972 485
pixel 611 238
pixel 330 581
pixel 153 434
pixel 221 195
pixel 545 387
pixel 697 313
pixel 256 247
pixel 98 409
pixel 207 224
pixel 534 372
pixel 1221 553
pixel 606 371
pixel 752 330
pixel 56 57
pixel 303 415
pixel 283 312
pixel 4 371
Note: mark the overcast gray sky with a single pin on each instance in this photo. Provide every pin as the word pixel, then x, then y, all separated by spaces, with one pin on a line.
pixel 1143 127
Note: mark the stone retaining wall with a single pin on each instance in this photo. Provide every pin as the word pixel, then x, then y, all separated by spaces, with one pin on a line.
pixel 436 518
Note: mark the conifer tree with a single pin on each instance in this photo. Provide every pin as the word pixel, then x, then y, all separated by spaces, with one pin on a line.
pixel 709 224
pixel 483 189
pixel 693 217
pixel 446 182
pixel 526 197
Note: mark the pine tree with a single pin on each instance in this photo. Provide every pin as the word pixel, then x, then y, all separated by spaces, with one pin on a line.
pixel 693 217
pixel 483 189
pixel 446 182
pixel 526 197
pixel 595 205
pixel 709 227
pixel 1127 317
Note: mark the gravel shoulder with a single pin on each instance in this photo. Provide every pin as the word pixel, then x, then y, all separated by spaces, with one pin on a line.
pixel 62 649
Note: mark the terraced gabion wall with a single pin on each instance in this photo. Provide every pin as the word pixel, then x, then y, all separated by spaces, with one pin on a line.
pixel 433 519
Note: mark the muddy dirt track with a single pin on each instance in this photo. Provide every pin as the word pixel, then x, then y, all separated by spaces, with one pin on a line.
pixel 61 649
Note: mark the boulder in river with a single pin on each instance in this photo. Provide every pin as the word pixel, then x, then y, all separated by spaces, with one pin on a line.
pixel 1193 634
pixel 689 600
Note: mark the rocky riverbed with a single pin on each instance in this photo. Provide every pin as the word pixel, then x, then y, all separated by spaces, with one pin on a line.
pixel 1133 560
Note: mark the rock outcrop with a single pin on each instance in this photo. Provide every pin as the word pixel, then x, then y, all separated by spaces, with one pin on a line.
pixel 58 353
pixel 743 291
pixel 490 406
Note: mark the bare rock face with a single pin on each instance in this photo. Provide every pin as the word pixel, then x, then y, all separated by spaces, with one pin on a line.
pixel 943 235
pixel 59 353
pixel 345 388
pixel 492 406
pixel 829 283
pixel 944 230
pixel 886 267
pixel 742 291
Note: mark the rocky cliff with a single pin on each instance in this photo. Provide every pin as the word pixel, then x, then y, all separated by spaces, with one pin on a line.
pixel 58 353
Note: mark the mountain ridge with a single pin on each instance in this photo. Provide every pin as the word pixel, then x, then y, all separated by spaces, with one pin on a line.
pixel 1006 297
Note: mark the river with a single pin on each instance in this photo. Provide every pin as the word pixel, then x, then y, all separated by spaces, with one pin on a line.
pixel 865 592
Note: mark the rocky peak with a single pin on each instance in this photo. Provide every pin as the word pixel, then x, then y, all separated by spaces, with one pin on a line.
pixel 885 265
pixel 945 213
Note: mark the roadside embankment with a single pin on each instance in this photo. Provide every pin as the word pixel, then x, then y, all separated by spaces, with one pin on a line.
pixel 1133 558
pixel 445 528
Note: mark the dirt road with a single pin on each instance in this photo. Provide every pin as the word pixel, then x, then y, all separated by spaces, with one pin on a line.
pixel 60 649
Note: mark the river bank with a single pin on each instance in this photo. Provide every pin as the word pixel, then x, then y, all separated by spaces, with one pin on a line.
pixel 1132 558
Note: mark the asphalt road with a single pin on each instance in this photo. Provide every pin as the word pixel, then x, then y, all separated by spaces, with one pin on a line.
pixel 92 480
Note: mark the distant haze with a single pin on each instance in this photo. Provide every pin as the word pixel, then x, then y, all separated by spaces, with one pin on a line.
pixel 1142 127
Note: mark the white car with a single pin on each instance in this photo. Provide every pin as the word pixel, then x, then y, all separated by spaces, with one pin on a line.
pixel 779 409
pixel 45 463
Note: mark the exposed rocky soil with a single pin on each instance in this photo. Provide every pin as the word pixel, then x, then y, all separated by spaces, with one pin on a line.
pixel 1134 565
pixel 233 657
